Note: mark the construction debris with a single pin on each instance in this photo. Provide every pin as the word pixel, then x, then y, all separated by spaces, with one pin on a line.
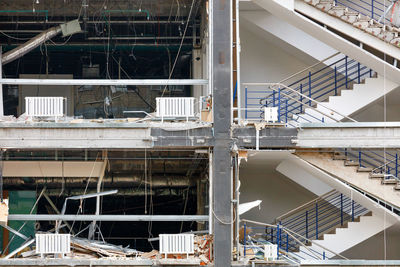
pixel 82 248
pixel 4 212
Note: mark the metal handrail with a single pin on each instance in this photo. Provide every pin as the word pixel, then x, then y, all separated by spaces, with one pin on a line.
pixel 291 233
pixel 287 214
pixel 310 67
pixel 383 165
pixel 303 95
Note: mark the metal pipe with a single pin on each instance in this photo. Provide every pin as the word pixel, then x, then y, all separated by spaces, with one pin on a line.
pixel 144 38
pixel 96 22
pixel 108 218
pixel 30 45
pixel 104 82
pixel 27 11
pixel 128 11
pixel 238 62
pixel 158 181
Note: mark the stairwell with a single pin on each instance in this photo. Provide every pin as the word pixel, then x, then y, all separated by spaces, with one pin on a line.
pixel 346 237
pixel 382 30
pixel 349 102
pixel 350 172
pixel 339 33
pixel 355 180
pixel 312 221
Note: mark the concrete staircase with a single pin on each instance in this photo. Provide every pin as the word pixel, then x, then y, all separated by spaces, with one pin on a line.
pixel 387 33
pixel 376 185
pixel 346 237
pixel 321 172
pixel 348 103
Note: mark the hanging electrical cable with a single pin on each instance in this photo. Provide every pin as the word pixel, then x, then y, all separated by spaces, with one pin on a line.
pixel 180 47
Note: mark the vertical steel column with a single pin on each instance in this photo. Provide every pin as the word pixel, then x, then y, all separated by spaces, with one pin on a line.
pixel 279 104
pixel 238 61
pixel 1 86
pixel 397 161
pixel 341 209
pixel 309 86
pixel 287 242
pixel 372 9
pixel 286 111
pixel 221 31
pixel 316 220
pixel 244 240
pixel 346 71
pixel 301 98
pixel 335 81
pixel 278 239
pixel 359 159
pixel 307 224
pixel 245 103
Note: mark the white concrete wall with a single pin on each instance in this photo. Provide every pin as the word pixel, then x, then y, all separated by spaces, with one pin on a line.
pixel 262 60
pixel 260 180
pixel 385 245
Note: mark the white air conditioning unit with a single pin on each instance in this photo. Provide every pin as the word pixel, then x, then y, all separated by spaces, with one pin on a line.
pixel 271 114
pixel 44 106
pixel 176 244
pixel 175 107
pixel 270 252
pixel 53 244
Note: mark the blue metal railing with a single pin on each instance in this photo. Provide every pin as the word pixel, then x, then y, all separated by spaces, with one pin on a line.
pixel 287 242
pixel 384 162
pixel 374 9
pixel 322 215
pixel 317 85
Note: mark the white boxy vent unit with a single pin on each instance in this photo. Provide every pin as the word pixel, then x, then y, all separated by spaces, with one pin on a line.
pixel 271 114
pixel 176 244
pixel 53 243
pixel 175 107
pixel 270 252
pixel 44 106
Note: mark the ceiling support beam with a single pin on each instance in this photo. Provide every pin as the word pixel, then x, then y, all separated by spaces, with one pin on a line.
pixel 108 218
pixel 104 82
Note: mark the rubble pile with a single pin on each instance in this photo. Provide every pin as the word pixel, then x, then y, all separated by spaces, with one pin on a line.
pixel 88 249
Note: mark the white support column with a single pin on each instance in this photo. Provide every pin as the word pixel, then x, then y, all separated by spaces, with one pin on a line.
pixel 238 92
pixel 92 227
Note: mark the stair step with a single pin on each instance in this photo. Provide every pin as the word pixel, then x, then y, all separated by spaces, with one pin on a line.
pixel 364 169
pixel 338 11
pixel 350 163
pixel 376 175
pixel 312 2
pixel 390 181
pixel 325 5
pixel 339 157
pixel 396 187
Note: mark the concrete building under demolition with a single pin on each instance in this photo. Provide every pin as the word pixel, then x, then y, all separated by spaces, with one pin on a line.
pixel 199 132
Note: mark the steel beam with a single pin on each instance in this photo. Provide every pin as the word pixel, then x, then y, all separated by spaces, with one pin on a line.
pixel 103 82
pixel 108 218
pixel 346 134
pixel 221 83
